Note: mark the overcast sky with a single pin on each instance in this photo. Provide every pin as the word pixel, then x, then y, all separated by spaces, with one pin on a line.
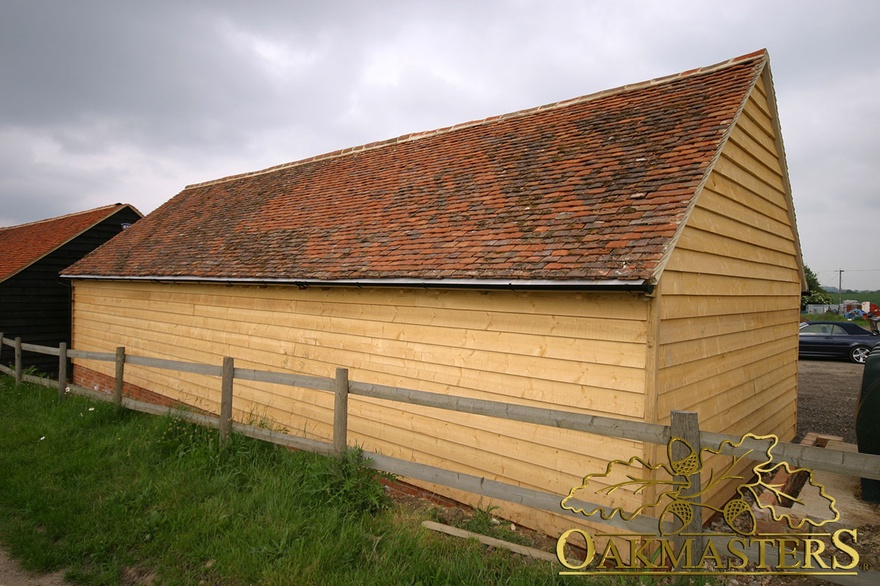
pixel 115 101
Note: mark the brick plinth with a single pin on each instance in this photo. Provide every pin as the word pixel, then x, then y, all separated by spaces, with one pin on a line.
pixel 103 383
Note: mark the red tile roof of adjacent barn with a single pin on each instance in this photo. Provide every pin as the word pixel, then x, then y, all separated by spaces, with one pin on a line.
pixel 23 245
pixel 589 190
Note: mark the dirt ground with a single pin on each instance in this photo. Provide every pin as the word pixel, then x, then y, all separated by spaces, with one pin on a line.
pixel 11 574
pixel 827 396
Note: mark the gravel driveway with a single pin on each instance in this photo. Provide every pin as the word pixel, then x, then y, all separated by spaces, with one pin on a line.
pixel 827 395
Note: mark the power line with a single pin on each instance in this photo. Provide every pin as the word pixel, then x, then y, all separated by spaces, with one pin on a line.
pixel 849 271
pixel 840 274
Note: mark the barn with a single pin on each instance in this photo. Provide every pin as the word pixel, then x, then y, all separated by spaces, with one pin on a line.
pixel 34 301
pixel 624 253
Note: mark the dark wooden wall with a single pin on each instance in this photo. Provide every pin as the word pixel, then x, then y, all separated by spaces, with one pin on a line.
pixel 35 303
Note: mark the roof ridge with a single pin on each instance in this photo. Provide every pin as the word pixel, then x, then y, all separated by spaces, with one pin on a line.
pixel 761 53
pixel 66 216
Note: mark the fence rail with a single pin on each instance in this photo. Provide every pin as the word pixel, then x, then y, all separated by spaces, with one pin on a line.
pixel 839 462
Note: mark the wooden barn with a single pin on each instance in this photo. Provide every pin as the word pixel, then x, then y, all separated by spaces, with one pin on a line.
pixel 624 253
pixel 34 300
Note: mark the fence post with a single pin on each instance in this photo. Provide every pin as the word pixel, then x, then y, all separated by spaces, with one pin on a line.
pixel 685 425
pixel 17 360
pixel 1 343
pixel 120 373
pixel 340 412
pixel 62 368
pixel 228 374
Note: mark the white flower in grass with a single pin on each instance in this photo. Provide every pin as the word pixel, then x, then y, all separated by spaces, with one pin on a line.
pixel 91 408
pixel 42 438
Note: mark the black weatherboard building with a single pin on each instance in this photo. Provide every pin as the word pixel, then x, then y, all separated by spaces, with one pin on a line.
pixel 34 300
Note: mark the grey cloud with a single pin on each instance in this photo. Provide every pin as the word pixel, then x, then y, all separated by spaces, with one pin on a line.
pixel 130 101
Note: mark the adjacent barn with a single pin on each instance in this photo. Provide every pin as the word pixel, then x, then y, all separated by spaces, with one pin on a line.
pixel 624 253
pixel 34 300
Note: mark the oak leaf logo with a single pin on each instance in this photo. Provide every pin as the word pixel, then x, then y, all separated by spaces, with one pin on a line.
pixel 682 473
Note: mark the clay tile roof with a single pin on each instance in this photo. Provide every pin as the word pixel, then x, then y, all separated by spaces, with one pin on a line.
pixel 23 245
pixel 590 190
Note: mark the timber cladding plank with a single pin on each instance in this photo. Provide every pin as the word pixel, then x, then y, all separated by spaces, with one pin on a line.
pixel 696 327
pixel 708 378
pixel 736 387
pixel 441 364
pixel 707 221
pixel 350 334
pixel 731 408
pixel 725 343
pixel 562 443
pixel 729 169
pixel 690 284
pixel 711 365
pixel 714 395
pixel 757 169
pixel 774 417
pixel 752 152
pixel 340 305
pixel 571 304
pixel 687 261
pixel 729 396
pixel 327 345
pixel 760 98
pixel 768 204
pixel 463 450
pixel 439 379
pixel 550 476
pixel 685 306
pixel 728 201
pixel 758 126
pixel 550 342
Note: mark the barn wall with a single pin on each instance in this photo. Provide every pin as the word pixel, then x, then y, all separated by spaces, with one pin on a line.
pixel 731 293
pixel 584 352
pixel 35 303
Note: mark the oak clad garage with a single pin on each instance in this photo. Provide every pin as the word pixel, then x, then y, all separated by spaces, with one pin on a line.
pixel 624 253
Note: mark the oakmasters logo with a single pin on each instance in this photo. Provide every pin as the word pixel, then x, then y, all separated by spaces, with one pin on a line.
pixel 735 548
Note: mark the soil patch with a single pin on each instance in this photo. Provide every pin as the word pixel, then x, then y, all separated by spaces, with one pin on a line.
pixel 11 574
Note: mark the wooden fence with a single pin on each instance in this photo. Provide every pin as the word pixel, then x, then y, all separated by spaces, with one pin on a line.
pixel 684 425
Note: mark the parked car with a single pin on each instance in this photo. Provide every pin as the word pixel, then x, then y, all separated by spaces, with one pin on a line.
pixel 836 339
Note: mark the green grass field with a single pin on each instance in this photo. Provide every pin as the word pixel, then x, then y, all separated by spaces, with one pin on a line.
pixel 120 497
pixel 873 297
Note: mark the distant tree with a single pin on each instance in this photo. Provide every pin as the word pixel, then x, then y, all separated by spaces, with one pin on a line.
pixel 815 293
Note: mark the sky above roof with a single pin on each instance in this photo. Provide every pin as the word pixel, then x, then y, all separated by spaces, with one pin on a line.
pixel 130 102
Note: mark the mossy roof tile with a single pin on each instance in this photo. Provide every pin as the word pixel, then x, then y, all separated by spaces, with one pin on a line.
pixel 594 176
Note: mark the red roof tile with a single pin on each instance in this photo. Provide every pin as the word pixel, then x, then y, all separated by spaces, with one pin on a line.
pixel 25 244
pixel 591 189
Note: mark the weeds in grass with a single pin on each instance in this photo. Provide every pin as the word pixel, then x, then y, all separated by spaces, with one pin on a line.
pixel 263 421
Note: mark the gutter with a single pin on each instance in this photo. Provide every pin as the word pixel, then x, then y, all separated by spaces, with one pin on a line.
pixel 483 284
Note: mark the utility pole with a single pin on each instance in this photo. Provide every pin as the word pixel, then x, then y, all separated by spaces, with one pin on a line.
pixel 840 290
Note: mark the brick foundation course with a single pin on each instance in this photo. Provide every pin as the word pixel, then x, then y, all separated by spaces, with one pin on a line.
pixel 86 377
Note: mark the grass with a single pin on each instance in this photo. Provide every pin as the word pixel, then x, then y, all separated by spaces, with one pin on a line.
pixel 872 296
pixel 120 497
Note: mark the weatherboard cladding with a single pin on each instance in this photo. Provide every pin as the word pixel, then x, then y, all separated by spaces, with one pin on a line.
pixel 591 189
